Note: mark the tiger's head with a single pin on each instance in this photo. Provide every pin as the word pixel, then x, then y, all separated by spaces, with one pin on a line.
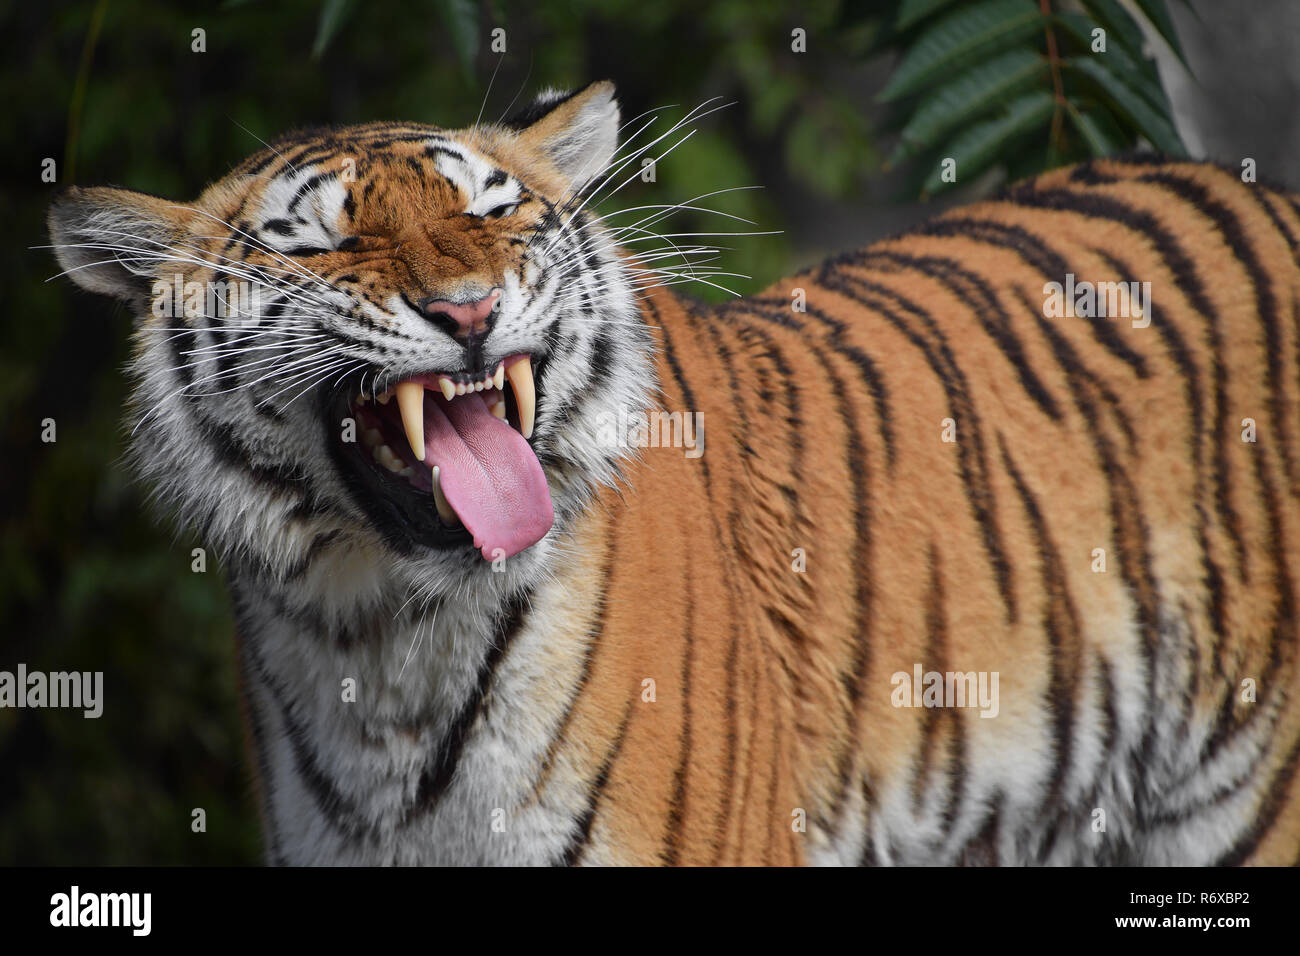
pixel 384 339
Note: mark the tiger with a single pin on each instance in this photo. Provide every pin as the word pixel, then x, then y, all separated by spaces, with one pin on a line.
pixel 934 565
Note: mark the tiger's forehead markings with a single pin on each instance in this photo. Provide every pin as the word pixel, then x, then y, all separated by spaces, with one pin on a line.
pixel 302 208
pixel 471 173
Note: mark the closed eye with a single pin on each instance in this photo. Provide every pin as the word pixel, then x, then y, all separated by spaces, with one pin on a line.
pixel 504 209
pixel 302 252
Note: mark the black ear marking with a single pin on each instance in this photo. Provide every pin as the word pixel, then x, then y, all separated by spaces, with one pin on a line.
pixel 544 103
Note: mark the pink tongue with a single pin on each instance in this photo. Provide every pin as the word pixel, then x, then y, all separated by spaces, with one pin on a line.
pixel 489 474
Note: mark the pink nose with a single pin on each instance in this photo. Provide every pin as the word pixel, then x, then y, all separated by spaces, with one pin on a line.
pixel 468 317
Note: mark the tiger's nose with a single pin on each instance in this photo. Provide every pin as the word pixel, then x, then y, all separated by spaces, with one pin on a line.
pixel 462 319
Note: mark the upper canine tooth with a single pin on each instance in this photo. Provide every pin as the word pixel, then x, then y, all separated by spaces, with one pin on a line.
pixel 410 402
pixel 448 388
pixel 520 374
pixel 499 379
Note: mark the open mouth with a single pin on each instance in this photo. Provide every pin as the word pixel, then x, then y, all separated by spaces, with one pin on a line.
pixel 443 459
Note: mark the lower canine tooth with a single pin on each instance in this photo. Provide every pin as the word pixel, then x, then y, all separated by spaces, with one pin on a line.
pixel 499 410
pixel 410 402
pixel 445 511
pixel 385 457
pixel 520 374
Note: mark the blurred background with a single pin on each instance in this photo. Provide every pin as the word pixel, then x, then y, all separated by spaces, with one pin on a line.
pixel 842 134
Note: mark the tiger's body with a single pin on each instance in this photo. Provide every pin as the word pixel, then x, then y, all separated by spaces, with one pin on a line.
pixel 699 662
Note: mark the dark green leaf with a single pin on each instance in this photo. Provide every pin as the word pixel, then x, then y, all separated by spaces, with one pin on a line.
pixel 913 11
pixel 1140 73
pixel 332 15
pixel 1120 27
pixel 460 17
pixel 977 148
pixel 977 90
pixel 1158 13
pixel 1098 131
pixel 960 38
pixel 1151 123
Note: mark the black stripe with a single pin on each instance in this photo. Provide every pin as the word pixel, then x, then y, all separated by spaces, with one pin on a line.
pixel 982 849
pixel 970 454
pixel 281 227
pixel 1060 624
pixel 307 187
pixel 671 852
pixel 936 659
pixel 972 289
pixel 257 734
pixel 1187 367
pixel 1037 252
pixel 1238 240
pixel 581 838
pixel 445 758
pixel 591 644
pixel 434 151
pixel 870 856
pixel 338 810
pixel 1267 814
pixel 779 312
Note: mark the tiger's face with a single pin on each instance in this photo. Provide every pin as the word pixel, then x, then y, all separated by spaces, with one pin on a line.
pixel 387 338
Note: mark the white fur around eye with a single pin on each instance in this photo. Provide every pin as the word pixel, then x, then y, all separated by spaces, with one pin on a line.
pixel 492 199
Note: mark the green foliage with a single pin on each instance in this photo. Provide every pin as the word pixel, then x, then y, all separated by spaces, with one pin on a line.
pixel 990 83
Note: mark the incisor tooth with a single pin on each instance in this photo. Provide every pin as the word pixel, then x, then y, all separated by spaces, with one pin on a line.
pixel 445 511
pixel 448 388
pixel 410 402
pixel 499 379
pixel 520 374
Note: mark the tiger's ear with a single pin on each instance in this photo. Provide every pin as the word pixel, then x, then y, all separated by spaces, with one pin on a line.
pixel 108 240
pixel 577 132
